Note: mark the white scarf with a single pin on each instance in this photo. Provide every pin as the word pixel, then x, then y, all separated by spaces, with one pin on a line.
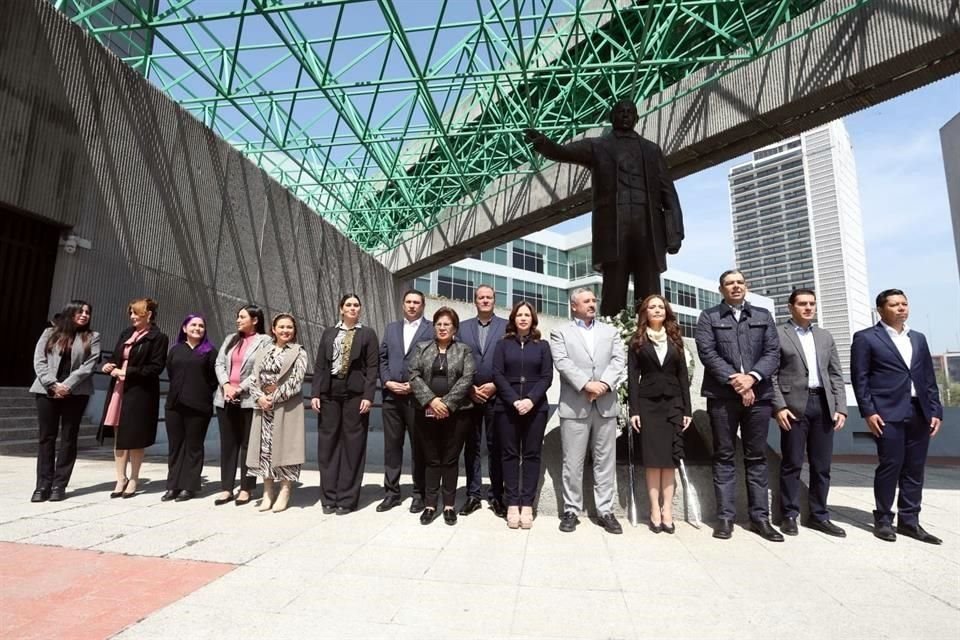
pixel 659 341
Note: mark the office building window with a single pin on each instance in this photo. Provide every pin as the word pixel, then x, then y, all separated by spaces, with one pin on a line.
pixel 679 293
pixel 528 256
pixel 548 300
pixel 497 255
pixel 460 284
pixel 688 325
pixel 422 284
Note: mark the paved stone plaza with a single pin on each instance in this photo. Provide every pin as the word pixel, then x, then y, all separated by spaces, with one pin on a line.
pixel 232 572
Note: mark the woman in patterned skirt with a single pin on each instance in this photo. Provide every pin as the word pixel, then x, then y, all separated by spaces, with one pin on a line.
pixel 277 448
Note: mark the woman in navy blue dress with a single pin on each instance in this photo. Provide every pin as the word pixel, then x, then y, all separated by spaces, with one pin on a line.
pixel 522 371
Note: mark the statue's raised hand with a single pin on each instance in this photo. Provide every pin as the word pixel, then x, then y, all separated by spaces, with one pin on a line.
pixel 532 135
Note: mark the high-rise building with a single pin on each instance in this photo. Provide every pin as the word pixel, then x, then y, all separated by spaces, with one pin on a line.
pixel 545 267
pixel 950 144
pixel 797 224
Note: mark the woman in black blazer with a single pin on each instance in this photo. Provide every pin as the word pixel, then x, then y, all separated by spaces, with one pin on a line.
pixel 344 382
pixel 193 379
pixel 63 360
pixel 133 399
pixel 659 393
pixel 522 371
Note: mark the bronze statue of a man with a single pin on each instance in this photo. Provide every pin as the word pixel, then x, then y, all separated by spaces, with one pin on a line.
pixel 636 212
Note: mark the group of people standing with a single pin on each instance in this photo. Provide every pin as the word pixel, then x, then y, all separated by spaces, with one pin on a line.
pixel 449 387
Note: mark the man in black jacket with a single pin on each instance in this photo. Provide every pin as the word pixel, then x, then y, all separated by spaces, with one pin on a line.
pixel 740 351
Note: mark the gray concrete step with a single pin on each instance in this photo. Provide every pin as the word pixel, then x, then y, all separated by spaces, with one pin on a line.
pixel 28 430
pixel 29 445
pixel 15 393
pixel 17 412
pixel 18 403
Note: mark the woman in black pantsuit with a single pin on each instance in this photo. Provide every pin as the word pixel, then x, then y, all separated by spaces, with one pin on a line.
pixel 133 399
pixel 522 371
pixel 441 375
pixel 659 394
pixel 63 360
pixel 344 382
pixel 190 365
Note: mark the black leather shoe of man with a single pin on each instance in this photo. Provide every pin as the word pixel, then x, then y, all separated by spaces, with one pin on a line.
pixel 40 495
pixel 169 495
pixel 58 494
pixel 185 495
pixel 724 530
pixel 327 509
pixel 342 511
pixel 765 530
pixel 471 505
pixel 416 505
pixel 568 521
pixel 789 527
pixel 427 516
pixel 498 508
pixel 884 532
pixel 827 527
pixel 609 523
pixel 388 503
pixel 450 516
pixel 918 533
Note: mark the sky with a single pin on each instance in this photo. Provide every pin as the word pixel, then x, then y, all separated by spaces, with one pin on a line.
pixel 903 195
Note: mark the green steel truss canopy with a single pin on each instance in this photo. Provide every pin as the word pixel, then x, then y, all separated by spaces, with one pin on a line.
pixel 383 115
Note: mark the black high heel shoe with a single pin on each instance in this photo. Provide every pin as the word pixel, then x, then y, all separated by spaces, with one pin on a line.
pixel 117 494
pixel 668 528
pixel 655 527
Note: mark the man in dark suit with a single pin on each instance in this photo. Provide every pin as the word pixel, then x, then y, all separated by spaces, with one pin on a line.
pixel 809 403
pixel 481 334
pixel 892 375
pixel 740 351
pixel 399 406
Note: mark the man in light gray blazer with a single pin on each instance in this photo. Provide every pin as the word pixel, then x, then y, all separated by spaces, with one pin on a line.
pixel 809 404
pixel 591 360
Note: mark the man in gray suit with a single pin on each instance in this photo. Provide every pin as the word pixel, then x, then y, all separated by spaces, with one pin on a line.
pixel 591 360
pixel 809 404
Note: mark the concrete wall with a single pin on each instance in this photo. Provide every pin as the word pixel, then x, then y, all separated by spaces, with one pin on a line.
pixel 170 210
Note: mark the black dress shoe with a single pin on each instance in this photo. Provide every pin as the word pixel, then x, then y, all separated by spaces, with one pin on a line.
pixel 327 509
pixel 40 495
pixel 472 504
pixel 499 509
pixel 118 494
pixel 885 532
pixel 427 516
pixel 724 529
pixel 185 495
pixel 170 494
pixel 568 521
pixel 765 530
pixel 827 527
pixel 450 516
pixel 911 531
pixel 388 503
pixel 58 494
pixel 656 528
pixel 668 528
pixel 242 501
pixel 789 527
pixel 416 505
pixel 609 523
pixel 222 501
pixel 342 511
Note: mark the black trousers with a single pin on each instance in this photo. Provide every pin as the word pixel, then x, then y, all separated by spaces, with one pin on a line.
pixel 902 452
pixel 811 432
pixel 58 416
pixel 341 450
pixel 616 279
pixel 234 423
pixel 441 442
pixel 726 416
pixel 186 431
pixel 482 420
pixel 399 421
pixel 521 441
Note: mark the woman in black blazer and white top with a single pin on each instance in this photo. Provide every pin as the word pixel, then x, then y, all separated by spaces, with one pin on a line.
pixel 190 365
pixel 133 400
pixel 344 382
pixel 659 393
pixel 234 403
pixel 63 360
